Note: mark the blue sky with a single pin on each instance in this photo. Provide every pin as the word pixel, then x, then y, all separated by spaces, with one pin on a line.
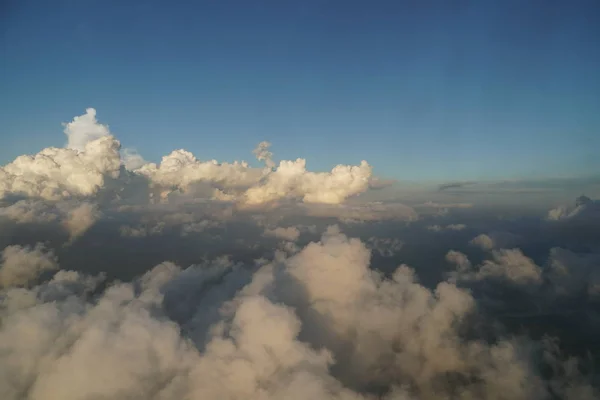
pixel 423 90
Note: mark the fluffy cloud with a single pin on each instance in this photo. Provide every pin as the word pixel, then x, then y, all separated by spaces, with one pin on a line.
pixel 251 319
pixel 586 211
pixel 507 264
pixel 292 180
pixel 81 218
pixel 55 174
pixel 318 324
pixel 495 240
pixel 93 155
pixel 84 129
pixel 20 265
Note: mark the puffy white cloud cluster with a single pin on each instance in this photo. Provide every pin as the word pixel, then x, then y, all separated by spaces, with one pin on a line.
pixel 55 174
pixel 181 170
pixel 318 324
pixel 292 180
pixel 93 155
pixel 84 129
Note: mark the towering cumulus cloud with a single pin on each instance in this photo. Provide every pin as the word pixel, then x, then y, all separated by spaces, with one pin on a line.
pixel 79 170
pixel 84 129
pixel 93 156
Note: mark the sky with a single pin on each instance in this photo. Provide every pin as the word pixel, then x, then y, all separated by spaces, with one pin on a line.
pixel 422 90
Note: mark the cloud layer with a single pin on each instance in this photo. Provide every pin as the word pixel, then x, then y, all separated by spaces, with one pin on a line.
pixel 195 279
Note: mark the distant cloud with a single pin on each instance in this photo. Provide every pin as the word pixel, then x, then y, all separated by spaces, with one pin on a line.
pixel 290 233
pixel 455 185
pixel 451 227
pixel 495 240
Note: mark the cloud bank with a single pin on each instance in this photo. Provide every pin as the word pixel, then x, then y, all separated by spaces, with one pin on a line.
pixel 195 279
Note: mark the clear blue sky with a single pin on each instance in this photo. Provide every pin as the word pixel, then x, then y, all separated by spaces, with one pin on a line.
pixel 422 89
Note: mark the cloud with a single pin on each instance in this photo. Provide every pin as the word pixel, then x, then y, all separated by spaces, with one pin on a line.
pixel 376 183
pixel 84 129
pixel 93 156
pixel 586 210
pixel 74 217
pixel 291 180
pixel 290 233
pixel 55 174
pixel 385 247
pixel 262 153
pixel 451 227
pixel 495 240
pixel 507 264
pixel 455 185
pixel 360 213
pixel 320 323
pixel 20 265
pixel 81 218
pixel 132 160
pixel 180 291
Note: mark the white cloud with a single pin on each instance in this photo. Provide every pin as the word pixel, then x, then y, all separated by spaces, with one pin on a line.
pixel 55 174
pixel 84 129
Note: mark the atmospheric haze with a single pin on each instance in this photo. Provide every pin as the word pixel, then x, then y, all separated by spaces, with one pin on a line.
pixel 122 278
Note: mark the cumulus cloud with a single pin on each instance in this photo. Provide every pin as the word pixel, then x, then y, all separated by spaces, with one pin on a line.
pixel 81 218
pixel 586 211
pixel 55 174
pixel 292 180
pixel 30 211
pixel 84 129
pixel 250 319
pixel 507 264
pixel 93 155
pixel 495 240
pixel 132 160
pixel 317 324
pixel 20 265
